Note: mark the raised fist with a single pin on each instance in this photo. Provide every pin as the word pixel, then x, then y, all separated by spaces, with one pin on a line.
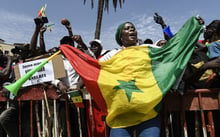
pixel 65 22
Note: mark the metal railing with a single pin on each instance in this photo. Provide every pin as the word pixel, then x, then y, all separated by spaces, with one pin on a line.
pixel 195 113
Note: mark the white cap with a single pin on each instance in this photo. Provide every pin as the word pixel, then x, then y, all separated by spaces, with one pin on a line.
pixel 97 41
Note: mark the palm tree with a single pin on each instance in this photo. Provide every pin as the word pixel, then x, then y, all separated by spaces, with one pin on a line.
pixel 103 5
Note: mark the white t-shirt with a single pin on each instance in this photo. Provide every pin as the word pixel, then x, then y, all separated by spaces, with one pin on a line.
pixel 109 55
pixel 114 51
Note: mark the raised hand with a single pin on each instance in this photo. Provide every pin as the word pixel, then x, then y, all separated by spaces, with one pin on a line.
pixel 200 19
pixel 158 19
pixel 43 29
pixel 65 22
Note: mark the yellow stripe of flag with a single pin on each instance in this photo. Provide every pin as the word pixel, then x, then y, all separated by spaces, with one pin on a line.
pixel 120 109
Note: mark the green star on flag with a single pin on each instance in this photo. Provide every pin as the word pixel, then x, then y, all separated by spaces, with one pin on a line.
pixel 129 88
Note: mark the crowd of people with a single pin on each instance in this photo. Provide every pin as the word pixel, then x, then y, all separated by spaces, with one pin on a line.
pixel 72 81
pixel 202 71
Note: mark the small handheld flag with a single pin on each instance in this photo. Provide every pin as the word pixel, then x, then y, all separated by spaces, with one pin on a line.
pixel 49 27
pixel 76 97
pixel 41 12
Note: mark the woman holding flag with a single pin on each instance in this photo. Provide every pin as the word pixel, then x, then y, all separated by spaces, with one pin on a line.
pixel 129 84
pixel 126 36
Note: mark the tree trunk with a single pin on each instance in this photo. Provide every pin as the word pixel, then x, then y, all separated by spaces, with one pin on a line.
pixel 99 19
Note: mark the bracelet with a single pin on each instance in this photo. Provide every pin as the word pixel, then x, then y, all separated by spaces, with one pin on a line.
pixel 41 37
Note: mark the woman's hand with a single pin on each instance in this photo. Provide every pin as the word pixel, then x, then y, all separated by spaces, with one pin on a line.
pixel 201 21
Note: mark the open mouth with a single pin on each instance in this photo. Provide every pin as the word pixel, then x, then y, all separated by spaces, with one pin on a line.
pixel 133 36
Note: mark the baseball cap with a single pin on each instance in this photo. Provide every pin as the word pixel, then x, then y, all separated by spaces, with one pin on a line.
pixel 96 41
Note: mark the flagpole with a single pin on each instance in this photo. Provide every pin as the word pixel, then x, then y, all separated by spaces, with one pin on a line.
pixel 55 54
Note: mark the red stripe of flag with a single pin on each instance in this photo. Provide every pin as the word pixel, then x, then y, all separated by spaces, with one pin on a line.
pixel 88 68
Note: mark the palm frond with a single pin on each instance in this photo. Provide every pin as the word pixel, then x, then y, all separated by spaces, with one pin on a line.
pixel 106 5
pixel 115 4
pixel 92 2
pixel 120 3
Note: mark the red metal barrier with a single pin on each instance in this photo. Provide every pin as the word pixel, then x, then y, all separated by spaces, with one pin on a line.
pixel 202 102
pixel 35 93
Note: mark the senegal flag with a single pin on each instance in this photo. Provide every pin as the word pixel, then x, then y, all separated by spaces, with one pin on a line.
pixel 131 85
pixel 41 12
pixel 76 97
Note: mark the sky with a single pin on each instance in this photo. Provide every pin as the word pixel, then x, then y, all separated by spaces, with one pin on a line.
pixel 17 18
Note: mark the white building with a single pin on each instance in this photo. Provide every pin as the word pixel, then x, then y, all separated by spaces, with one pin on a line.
pixel 6 48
